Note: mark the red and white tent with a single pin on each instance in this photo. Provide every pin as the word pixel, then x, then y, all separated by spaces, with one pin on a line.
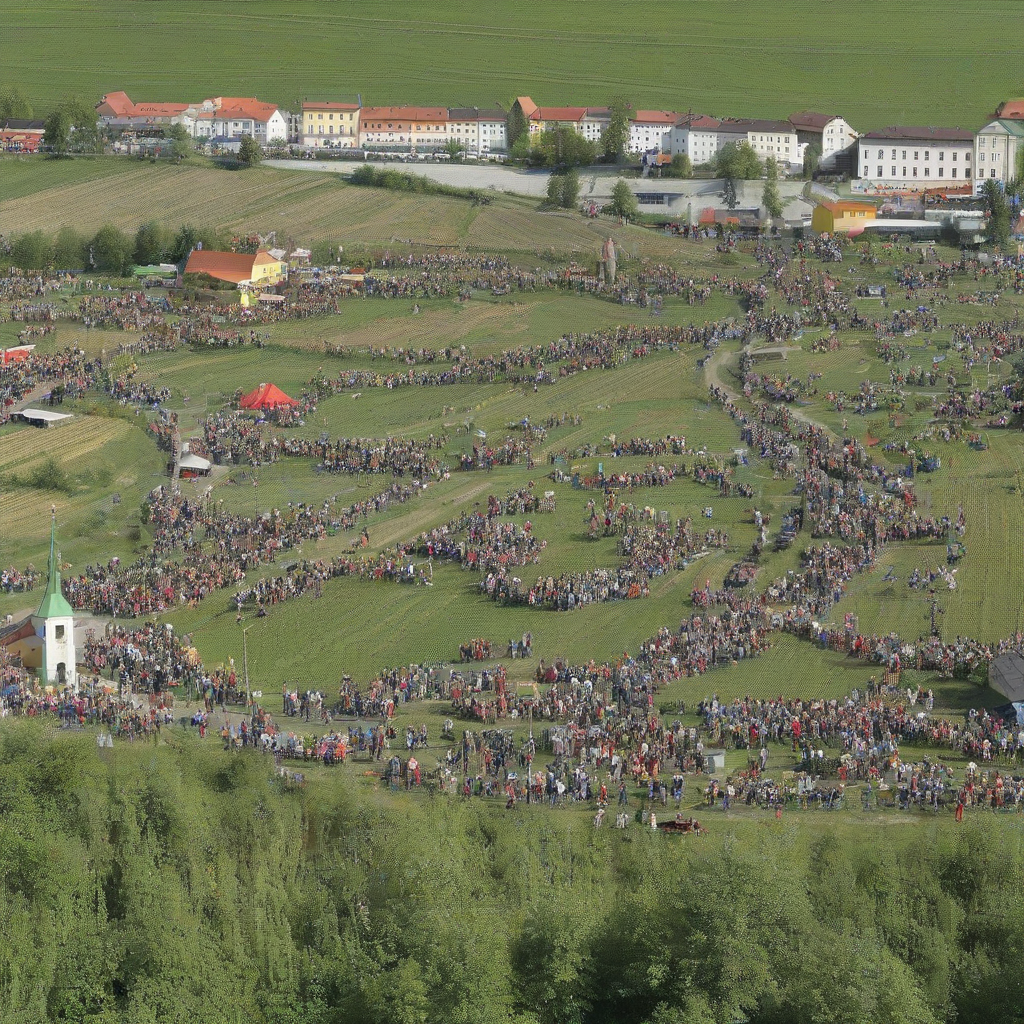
pixel 17 355
pixel 265 396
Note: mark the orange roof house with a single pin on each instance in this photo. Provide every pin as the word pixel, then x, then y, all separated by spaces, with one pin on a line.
pixel 236 267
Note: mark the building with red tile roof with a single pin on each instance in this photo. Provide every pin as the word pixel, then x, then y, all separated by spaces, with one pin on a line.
pixel 259 268
pixel 403 128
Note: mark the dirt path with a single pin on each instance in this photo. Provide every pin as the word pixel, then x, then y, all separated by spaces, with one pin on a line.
pixel 713 368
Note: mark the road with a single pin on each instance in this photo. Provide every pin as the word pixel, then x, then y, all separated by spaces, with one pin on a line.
pixel 595 183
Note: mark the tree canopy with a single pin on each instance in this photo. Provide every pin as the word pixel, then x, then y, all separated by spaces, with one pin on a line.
pixel 170 883
pixel 623 202
pixel 249 151
pixel 737 161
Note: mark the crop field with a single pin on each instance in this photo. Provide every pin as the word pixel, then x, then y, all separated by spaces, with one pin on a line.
pixel 37 194
pixel 875 62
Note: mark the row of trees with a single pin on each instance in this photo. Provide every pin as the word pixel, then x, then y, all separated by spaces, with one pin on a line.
pixel 110 250
pixel 181 883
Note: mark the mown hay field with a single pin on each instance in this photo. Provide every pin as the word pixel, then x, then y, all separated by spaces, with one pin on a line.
pixel 877 63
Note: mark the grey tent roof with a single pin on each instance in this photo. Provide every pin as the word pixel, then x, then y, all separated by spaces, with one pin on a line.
pixel 1006 674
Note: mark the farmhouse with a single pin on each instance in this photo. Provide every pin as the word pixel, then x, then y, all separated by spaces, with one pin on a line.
pixel 829 132
pixel 914 158
pixel 237 268
pixel 998 147
pixel 403 128
pixel 848 216
pixel 230 117
pixel 331 125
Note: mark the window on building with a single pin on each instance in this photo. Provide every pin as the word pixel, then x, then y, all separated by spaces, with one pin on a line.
pixel 927 173
pixel 981 158
pixel 881 153
pixel 992 173
pixel 59 632
pixel 904 172
pixel 894 154
pixel 332 128
pixel 915 171
pixel 320 117
pixel 953 173
pixel 916 154
pixel 894 172
pixel 880 170
pixel 953 157
pixel 321 129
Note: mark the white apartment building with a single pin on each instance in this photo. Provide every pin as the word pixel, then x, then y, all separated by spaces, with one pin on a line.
pixel 830 132
pixel 916 158
pixel 651 130
pixel 697 136
pixel 767 138
pixel 229 117
pixel 996 147
pixel 479 131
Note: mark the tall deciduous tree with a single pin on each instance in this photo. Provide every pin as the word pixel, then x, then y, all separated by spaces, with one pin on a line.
pixel 111 250
pixel 13 103
pixel 623 202
pixel 57 132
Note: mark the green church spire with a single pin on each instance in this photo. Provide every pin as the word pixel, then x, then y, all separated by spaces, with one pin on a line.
pixel 54 603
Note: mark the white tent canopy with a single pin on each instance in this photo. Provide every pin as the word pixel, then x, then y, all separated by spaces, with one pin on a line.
pixel 44 417
pixel 195 462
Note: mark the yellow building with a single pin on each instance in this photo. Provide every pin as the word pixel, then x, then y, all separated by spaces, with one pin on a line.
pixel 330 125
pixel 846 215
pixel 237 268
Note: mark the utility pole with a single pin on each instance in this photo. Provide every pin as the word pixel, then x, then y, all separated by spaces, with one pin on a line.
pixel 245 665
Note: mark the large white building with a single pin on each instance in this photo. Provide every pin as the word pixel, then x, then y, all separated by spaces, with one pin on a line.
pixel 231 117
pixel 697 136
pixel 479 131
pixel 830 132
pixel 996 148
pixel 915 158
pixel 651 131
pixel 767 138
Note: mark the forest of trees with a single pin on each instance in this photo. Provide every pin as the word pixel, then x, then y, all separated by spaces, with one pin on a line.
pixel 182 883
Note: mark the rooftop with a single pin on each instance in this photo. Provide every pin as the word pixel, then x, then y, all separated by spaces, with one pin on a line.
pixel 811 120
pixel 1012 109
pixel 328 105
pixel 914 133
pixel 559 113
pixel 654 117
pixel 404 113
pixel 234 267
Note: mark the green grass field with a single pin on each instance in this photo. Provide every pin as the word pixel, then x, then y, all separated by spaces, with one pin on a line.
pixel 360 626
pixel 875 62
